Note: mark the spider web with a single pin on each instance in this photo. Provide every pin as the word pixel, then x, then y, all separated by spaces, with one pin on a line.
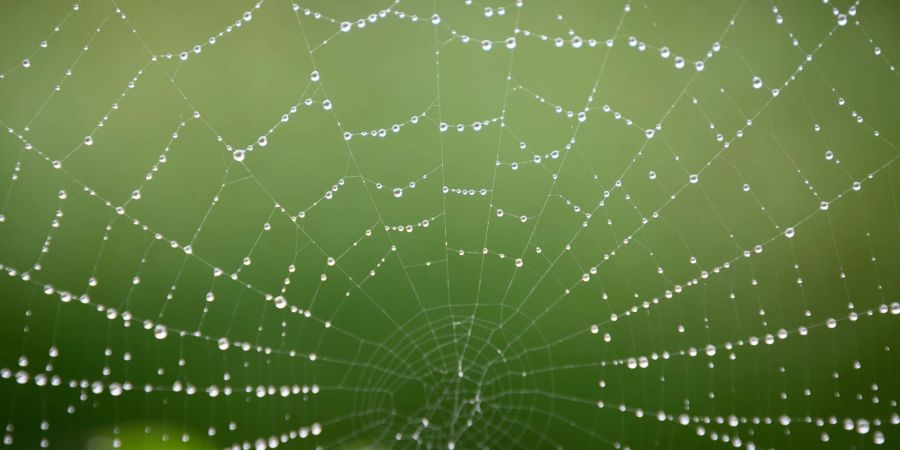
pixel 460 224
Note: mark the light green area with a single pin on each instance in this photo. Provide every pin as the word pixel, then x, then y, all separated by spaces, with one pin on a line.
pixel 624 261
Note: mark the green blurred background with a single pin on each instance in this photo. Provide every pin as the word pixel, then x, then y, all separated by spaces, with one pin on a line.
pixel 419 338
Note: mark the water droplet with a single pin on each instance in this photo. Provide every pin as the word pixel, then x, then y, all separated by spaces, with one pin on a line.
pixel 280 302
pixel 435 19
pixel 26 63
pixel 789 232
pixel 694 179
pixel 248 16
pixel 511 43
pixel 238 155
pixel 160 332
pixel 519 262
pixel 262 141
pixel 398 192
pixel 486 45
pixel 330 261
pixel 757 83
pixel 314 76
pixel 841 20
pixel 88 140
pixel 223 343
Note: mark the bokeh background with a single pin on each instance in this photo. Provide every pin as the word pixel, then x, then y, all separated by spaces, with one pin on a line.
pixel 145 268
